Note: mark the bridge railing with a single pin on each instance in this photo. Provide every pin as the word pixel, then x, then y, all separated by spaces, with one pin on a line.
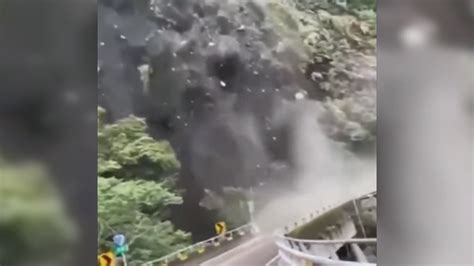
pixel 289 255
pixel 293 251
pixel 200 247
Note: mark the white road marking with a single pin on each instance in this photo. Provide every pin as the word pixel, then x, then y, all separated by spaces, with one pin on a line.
pixel 273 260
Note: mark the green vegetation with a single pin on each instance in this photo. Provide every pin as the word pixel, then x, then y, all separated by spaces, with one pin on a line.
pixel 340 46
pixel 361 4
pixel 135 189
pixel 127 152
pixel 337 45
pixel 350 5
pixel 33 223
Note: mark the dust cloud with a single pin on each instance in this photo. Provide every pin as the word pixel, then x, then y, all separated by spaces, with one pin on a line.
pixel 325 174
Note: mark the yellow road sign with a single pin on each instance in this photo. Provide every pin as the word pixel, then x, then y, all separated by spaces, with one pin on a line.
pixel 220 228
pixel 107 259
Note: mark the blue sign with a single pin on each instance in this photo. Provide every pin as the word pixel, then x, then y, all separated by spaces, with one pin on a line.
pixel 119 240
pixel 120 245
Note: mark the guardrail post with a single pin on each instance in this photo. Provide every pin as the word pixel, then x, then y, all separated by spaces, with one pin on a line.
pixel 216 242
pixel 305 247
pixel 291 244
pixel 300 246
pixel 358 253
pixel 334 256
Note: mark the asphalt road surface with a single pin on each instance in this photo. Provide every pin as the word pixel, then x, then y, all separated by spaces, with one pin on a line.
pixel 257 251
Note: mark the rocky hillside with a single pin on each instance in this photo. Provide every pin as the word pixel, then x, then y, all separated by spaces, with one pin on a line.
pixel 226 81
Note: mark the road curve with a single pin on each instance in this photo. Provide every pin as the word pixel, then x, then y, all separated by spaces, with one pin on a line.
pixel 258 251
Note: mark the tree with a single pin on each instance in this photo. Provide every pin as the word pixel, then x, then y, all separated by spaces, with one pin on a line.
pixel 126 151
pixel 137 208
pixel 34 226
pixel 135 189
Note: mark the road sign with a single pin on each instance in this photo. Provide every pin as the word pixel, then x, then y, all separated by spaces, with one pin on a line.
pixel 120 245
pixel 107 259
pixel 121 250
pixel 220 228
pixel 119 240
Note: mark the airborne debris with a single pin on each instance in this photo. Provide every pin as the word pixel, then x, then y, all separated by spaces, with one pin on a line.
pixel 316 75
pixel 145 76
pixel 278 74
pixel 299 96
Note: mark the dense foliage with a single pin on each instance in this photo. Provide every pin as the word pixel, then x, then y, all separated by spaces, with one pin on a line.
pixel 137 208
pixel 134 189
pixel 126 151
pixel 340 43
pixel 33 221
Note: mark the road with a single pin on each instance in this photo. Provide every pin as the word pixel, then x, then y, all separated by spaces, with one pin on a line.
pixel 257 251
pixel 260 249
pixel 212 252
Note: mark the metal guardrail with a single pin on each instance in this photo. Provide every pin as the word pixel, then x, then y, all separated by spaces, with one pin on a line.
pixel 295 257
pixel 200 247
pixel 333 241
pixel 313 215
pixel 293 251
